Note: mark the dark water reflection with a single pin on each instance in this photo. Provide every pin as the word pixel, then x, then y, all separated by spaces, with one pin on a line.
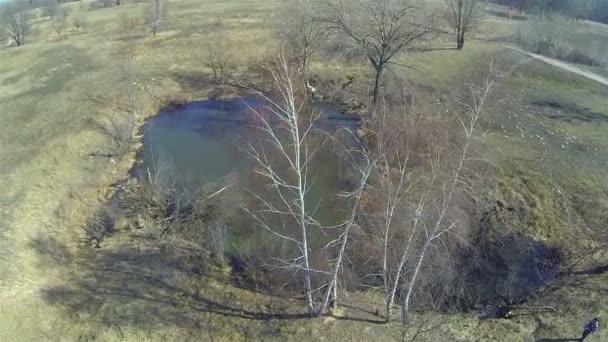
pixel 205 141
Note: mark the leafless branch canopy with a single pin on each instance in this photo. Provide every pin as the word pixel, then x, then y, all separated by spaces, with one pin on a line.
pixel 283 160
pixel 463 16
pixel 157 16
pixel 379 29
pixel 16 18
pixel 301 30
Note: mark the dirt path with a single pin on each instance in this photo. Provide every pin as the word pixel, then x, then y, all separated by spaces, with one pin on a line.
pixel 563 65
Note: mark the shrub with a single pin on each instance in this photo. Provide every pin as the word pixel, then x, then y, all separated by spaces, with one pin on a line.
pixel 119 130
pixel 100 225
pixel 59 25
pixel 573 55
pixel 102 4
pixel 540 35
pixel 80 21
pixel 547 36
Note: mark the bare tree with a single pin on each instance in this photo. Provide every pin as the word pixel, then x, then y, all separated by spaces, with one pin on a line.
pixel 80 20
pixel 217 55
pixel 285 164
pixel 440 223
pixel 128 80
pixel 156 16
pixel 118 129
pixel 542 34
pixel 379 29
pixel 60 23
pixel 364 164
pixel 130 32
pixel 393 131
pixel 411 220
pixel 301 30
pixel 16 18
pixel 464 16
pixel 285 160
pixel 50 8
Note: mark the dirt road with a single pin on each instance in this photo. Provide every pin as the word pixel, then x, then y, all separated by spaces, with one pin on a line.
pixel 563 65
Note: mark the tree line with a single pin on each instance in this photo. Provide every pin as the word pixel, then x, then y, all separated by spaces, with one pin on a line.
pixel 16 17
pixel 595 10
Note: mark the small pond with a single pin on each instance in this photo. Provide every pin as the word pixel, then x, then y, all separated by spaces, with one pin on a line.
pixel 205 141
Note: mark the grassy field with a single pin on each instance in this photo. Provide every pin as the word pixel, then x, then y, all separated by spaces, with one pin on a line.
pixel 545 131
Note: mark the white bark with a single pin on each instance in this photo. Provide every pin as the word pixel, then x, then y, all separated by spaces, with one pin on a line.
pixel 293 149
pixel 365 172
pixel 157 16
pixel 439 226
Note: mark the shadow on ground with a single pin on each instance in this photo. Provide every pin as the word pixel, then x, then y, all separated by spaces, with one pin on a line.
pixel 151 287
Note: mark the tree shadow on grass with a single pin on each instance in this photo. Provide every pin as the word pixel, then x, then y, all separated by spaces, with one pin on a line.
pixel 435 48
pixel 194 81
pixel 153 287
pixel 505 14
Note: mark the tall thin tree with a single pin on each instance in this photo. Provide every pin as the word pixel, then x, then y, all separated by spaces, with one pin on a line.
pixel 157 16
pixel 440 224
pixel 283 160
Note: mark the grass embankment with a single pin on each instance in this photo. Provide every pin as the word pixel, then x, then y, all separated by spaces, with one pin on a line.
pixel 542 133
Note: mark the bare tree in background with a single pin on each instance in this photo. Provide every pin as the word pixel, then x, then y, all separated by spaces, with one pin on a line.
pixel 284 163
pixel 16 22
pixel 128 79
pixel 120 127
pixel 80 20
pixel 464 16
pixel 156 16
pixel 379 29
pixel 301 30
pixel 542 34
pixel 217 55
pixel 60 23
pixel 130 32
pixel 50 8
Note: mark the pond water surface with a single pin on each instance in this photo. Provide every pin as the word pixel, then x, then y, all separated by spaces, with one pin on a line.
pixel 205 143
